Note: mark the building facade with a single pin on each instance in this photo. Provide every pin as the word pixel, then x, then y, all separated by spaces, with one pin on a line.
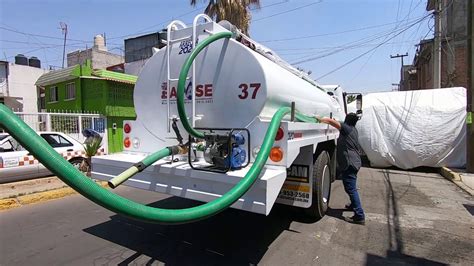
pixel 139 49
pixel 98 55
pixel 454 50
pixel 17 86
pixel 83 89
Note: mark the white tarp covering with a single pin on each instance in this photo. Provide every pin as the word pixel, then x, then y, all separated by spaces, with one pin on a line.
pixel 408 129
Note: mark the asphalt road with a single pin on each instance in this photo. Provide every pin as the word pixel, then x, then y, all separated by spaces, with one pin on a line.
pixel 412 218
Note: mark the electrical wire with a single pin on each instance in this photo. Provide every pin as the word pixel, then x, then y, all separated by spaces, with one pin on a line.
pixel 287 11
pixel 333 33
pixel 41 36
pixel 363 54
pixel 351 45
pixel 144 30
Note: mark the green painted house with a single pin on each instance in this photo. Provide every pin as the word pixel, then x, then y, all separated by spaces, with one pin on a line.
pixel 83 89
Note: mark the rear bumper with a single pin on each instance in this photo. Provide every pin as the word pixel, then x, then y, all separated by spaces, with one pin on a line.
pixel 179 179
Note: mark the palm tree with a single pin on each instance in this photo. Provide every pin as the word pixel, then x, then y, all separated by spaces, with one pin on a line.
pixel 91 145
pixel 236 12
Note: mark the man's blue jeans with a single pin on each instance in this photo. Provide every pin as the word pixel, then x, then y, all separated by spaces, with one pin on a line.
pixel 349 179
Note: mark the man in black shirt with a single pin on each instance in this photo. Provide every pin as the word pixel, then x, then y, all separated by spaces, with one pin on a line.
pixel 348 162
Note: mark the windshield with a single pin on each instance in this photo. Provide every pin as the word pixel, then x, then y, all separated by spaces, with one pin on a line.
pixel 3 136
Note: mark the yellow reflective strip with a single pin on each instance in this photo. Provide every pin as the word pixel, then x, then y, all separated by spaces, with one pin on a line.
pixel 296 187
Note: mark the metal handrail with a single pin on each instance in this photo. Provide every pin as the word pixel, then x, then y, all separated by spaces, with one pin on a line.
pixel 168 52
pixel 194 43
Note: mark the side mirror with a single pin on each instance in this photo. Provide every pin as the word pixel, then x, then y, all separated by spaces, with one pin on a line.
pixel 350 98
pixel 359 104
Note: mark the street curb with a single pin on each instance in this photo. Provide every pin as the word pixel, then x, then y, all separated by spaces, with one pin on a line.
pixel 456 179
pixel 449 174
pixel 37 197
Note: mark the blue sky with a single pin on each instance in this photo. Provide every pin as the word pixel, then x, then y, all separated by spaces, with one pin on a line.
pixel 344 42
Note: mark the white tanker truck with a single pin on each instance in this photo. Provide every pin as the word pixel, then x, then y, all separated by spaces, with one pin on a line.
pixel 238 86
pixel 233 125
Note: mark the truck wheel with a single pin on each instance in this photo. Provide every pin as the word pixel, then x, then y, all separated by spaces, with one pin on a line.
pixel 321 186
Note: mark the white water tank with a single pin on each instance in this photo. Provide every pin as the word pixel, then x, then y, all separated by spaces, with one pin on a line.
pixel 234 86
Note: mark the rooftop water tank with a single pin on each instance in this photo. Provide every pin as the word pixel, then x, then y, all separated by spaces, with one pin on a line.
pixel 34 62
pixel 99 43
pixel 21 60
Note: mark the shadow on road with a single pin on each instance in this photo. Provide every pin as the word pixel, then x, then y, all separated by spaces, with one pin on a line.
pixel 231 237
pixel 396 252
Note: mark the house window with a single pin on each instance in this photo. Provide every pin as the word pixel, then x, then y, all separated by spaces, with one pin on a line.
pixel 70 91
pixel 53 94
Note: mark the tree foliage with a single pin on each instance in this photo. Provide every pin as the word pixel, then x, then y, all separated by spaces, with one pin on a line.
pixel 236 12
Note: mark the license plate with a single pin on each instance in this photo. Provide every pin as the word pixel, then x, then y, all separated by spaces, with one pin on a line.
pixel 10 162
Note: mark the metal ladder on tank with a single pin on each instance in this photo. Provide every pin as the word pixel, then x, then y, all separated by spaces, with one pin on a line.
pixel 169 43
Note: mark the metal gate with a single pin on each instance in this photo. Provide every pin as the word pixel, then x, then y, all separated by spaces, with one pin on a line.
pixel 71 124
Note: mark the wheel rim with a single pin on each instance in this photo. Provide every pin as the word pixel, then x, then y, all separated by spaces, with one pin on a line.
pixel 326 183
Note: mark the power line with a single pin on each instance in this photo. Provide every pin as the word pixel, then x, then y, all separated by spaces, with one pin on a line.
pixel 311 49
pixel 32 43
pixel 42 36
pixel 270 5
pixel 351 45
pixel 46 36
pixel 363 54
pixel 144 30
pixel 334 33
pixel 287 11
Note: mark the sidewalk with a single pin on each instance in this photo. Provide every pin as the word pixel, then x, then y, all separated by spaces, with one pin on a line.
pixel 21 188
pixel 467 179
pixel 16 194
pixel 460 178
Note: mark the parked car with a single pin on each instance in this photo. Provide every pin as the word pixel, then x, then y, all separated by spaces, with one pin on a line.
pixel 17 164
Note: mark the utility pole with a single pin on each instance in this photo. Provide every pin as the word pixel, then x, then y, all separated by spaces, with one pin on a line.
pixel 437 46
pixel 64 30
pixel 470 88
pixel 401 68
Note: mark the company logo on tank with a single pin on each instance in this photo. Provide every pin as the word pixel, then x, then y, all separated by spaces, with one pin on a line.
pixel 204 93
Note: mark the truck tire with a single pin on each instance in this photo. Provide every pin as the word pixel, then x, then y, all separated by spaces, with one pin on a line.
pixel 321 186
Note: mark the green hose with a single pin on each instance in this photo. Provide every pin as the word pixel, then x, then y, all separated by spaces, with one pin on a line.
pixel 75 179
pixel 182 84
pixel 182 80
pixel 140 166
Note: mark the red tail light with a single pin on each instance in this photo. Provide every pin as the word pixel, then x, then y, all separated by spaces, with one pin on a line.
pixel 127 128
pixel 279 134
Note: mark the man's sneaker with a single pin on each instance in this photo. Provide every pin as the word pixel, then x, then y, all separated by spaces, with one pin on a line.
pixel 355 220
